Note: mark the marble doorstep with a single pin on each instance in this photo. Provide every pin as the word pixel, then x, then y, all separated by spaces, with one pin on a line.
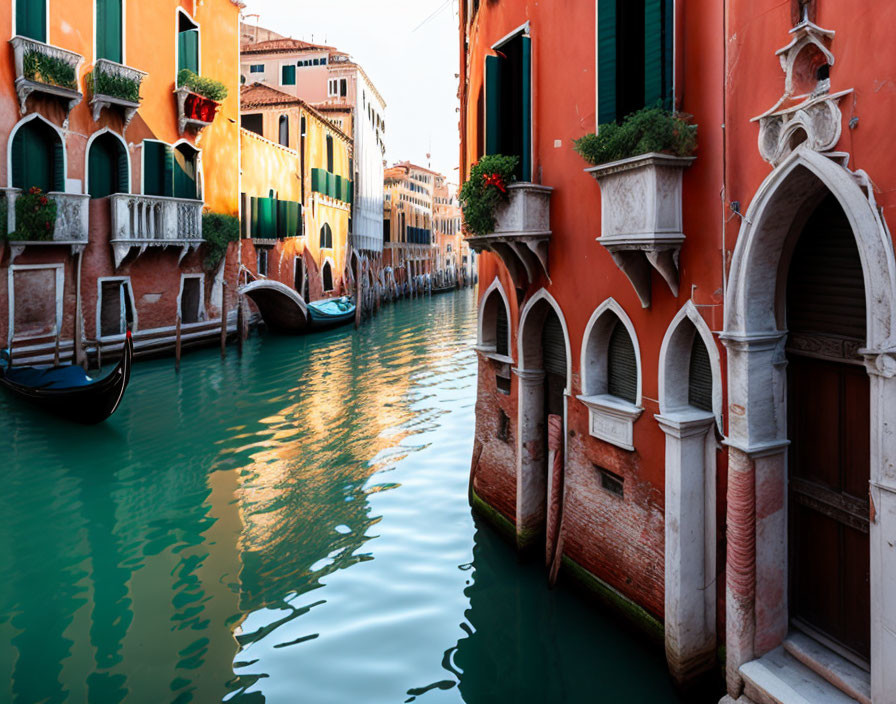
pixel 837 670
pixel 779 678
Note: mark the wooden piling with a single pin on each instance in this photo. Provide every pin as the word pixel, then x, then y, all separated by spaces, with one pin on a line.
pixel 224 323
pixel 56 346
pixel 239 325
pixel 177 344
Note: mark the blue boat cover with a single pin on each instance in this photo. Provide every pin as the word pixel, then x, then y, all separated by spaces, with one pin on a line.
pixel 69 377
pixel 331 308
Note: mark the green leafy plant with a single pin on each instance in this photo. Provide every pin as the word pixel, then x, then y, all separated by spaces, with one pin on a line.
pixel 652 129
pixel 101 83
pixel 35 217
pixel 218 231
pixel 206 87
pixel 485 190
pixel 50 70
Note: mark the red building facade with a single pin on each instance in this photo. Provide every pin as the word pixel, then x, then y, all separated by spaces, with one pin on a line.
pixel 704 344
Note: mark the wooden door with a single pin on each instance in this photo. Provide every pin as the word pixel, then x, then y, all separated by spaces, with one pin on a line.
pixel 829 474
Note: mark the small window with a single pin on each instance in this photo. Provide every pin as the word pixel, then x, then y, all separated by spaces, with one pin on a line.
pixel 284 130
pixel 343 88
pixel 501 327
pixel 622 366
pixel 262 255
pixel 316 62
pixel 503 433
pixel 256 68
pixel 298 276
pixel 700 376
pixel 288 75
pixel 116 313
pixel 611 482
pixel 326 237
pixel 253 123
pixel 330 153
pixel 327 276
pixel 190 299
pixel 323 61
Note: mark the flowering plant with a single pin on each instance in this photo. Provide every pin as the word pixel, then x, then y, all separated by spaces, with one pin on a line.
pixel 485 190
pixel 35 216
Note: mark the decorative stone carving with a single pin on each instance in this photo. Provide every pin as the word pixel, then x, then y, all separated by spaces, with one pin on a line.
pixel 807 114
pixel 71 222
pixel 641 220
pixel 25 86
pixel 99 101
pixel 139 222
pixel 522 232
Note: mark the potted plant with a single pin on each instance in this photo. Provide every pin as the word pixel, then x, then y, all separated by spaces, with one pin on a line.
pixel 35 217
pixel 639 165
pixel 204 98
pixel 49 70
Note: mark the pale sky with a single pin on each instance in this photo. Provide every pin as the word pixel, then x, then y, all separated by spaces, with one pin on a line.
pixel 412 66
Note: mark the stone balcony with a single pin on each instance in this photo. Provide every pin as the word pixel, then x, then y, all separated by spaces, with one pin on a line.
pixel 71 225
pixel 522 233
pixel 105 74
pixel 32 60
pixel 139 222
pixel 641 217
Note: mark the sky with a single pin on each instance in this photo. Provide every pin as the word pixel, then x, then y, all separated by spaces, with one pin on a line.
pixel 409 49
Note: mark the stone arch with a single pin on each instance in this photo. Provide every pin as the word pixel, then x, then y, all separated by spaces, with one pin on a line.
pixel 126 154
pixel 533 484
pixel 757 575
pixel 494 296
pixel 12 135
pixel 594 347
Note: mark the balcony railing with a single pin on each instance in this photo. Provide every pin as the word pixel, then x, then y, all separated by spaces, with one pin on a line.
pixel 522 232
pixel 48 69
pixel 139 222
pixel 115 84
pixel 71 225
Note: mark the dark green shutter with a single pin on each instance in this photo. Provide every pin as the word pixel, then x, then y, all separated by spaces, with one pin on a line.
pixel 288 77
pixel 31 19
pixel 253 216
pixel 18 159
pixel 492 104
pixel 526 156
pixel 188 50
pixel 553 346
pixel 108 30
pixel 606 61
pixel 58 166
pixel 101 168
pixel 658 57
pixel 167 185
pixel 700 376
pixel 501 332
pixel 622 366
pixel 124 181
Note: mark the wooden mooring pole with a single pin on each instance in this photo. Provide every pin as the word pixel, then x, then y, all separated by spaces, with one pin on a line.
pixel 177 344
pixel 224 322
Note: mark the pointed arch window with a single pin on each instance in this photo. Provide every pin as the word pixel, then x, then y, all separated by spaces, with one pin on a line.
pixel 38 157
pixel 326 236
pixel 327 276
pixel 284 130
pixel 107 167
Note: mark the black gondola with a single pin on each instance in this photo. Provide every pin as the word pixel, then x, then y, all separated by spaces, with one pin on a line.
pixel 67 390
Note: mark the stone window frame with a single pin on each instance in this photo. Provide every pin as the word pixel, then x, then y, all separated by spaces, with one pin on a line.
pixel 99 307
pixel 203 313
pixel 487 319
pixel 11 284
pixel 610 419
pixel 12 134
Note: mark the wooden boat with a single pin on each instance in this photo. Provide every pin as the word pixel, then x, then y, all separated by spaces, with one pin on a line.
pixel 67 390
pixel 444 289
pixel 331 312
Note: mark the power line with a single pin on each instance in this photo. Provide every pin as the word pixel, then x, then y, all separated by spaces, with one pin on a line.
pixel 437 11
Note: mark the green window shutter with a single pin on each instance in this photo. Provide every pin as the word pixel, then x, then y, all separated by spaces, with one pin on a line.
pixel 267 218
pixel 253 216
pixel 108 30
pixel 318 180
pixel 288 75
pixel 188 50
pixel 31 19
pixel 553 345
pixel 18 159
pixel 167 171
pixel 124 181
pixel 526 156
pixel 658 47
pixel 606 61
pixel 331 185
pixel 58 166
pixel 101 168
pixel 337 187
pixel 492 104
pixel 154 168
pixel 622 365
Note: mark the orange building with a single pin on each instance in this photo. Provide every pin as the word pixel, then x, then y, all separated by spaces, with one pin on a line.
pixel 453 258
pixel 101 111
pixel 408 247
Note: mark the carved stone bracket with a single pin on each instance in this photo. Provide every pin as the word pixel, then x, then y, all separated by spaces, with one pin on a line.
pixel 121 249
pixel 183 119
pixel 99 101
pixel 69 98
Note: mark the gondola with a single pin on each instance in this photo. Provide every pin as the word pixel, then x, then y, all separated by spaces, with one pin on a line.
pixel 331 312
pixel 67 390
pixel 444 289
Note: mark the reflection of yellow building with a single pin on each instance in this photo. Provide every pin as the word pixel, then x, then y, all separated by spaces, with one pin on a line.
pixel 294 160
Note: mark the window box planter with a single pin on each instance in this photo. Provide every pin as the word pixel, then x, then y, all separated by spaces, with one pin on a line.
pixel 115 85
pixel 139 222
pixel 44 68
pixel 641 221
pixel 194 110
pixel 70 229
pixel 522 232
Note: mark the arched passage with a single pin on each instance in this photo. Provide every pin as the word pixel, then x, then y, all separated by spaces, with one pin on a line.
pixel 544 373
pixel 758 577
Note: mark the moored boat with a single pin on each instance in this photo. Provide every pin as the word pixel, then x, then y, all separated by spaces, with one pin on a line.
pixel 68 390
pixel 331 312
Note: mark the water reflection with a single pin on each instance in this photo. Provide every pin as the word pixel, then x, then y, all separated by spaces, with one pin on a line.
pixel 289 525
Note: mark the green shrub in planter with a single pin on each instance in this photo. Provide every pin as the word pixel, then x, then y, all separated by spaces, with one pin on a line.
pixel 35 217
pixel 50 70
pixel 485 190
pixel 122 87
pixel 206 87
pixel 218 231
pixel 647 130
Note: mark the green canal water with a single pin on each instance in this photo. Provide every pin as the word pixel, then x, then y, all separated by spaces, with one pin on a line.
pixel 287 526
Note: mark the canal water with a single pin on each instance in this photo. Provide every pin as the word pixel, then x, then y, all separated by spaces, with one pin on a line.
pixel 287 526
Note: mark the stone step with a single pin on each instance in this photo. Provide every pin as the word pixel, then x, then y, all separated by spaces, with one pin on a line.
pixel 779 678
pixel 837 670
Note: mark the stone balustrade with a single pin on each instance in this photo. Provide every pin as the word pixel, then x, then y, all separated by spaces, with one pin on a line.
pixel 138 222
pixel 29 81
pixel 71 227
pixel 102 99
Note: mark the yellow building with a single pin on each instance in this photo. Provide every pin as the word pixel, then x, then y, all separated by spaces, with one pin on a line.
pixel 294 156
pixel 408 207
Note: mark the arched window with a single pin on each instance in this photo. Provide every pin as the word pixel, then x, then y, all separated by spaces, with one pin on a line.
pixel 107 167
pixel 611 375
pixel 494 328
pixel 326 237
pixel 699 376
pixel 38 157
pixel 327 276
pixel 330 153
pixel 284 130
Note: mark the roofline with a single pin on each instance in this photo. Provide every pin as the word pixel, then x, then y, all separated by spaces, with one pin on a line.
pixel 294 102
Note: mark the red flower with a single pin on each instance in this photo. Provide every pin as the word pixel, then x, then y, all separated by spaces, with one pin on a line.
pixel 47 225
pixel 43 200
pixel 497 181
